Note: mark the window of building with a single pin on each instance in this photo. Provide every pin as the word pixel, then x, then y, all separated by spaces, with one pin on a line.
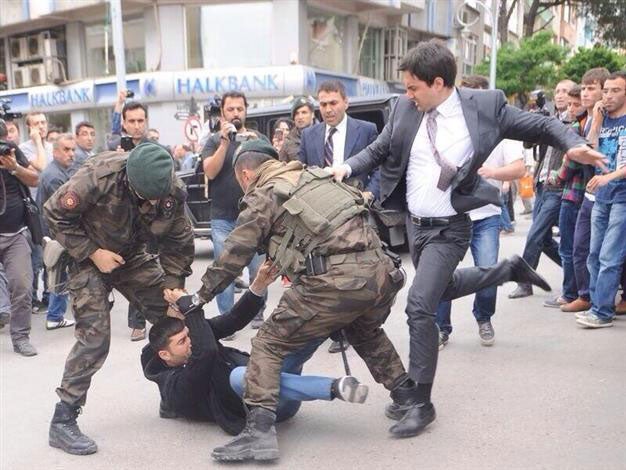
pixel 326 40
pixel 371 59
pixel 396 46
pixel 469 54
pixel 193 20
pixel 4 80
pixel 100 56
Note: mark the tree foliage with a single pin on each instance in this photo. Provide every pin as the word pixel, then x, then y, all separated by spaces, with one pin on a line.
pixel 585 59
pixel 531 65
pixel 609 18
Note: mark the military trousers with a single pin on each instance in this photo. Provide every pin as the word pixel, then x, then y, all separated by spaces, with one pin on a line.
pixel 140 280
pixel 356 294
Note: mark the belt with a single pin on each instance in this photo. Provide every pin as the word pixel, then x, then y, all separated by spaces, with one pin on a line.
pixel 438 221
pixel 318 264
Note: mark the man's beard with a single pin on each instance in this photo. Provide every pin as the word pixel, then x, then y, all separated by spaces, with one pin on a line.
pixel 238 123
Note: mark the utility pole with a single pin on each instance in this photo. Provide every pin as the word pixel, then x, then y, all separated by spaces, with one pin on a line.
pixel 118 43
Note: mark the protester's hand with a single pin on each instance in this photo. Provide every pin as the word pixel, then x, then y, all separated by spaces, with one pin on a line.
pixel 172 295
pixel 249 135
pixel 225 129
pixel 35 135
pixel 487 172
pixel 121 96
pixel 8 162
pixel 598 111
pixel 588 156
pixel 119 149
pixel 339 172
pixel 106 261
pixel 597 182
pixel 266 274
pixel 172 311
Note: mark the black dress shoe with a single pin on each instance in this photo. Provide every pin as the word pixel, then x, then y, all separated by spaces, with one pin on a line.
pixel 524 274
pixel 396 411
pixel 414 420
pixel 335 346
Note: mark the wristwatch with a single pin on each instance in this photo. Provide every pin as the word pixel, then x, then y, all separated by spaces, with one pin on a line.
pixel 188 303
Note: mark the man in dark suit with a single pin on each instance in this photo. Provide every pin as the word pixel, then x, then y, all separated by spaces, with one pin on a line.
pixel 337 138
pixel 436 139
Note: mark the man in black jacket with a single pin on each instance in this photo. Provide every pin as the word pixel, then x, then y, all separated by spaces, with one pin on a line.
pixel 200 379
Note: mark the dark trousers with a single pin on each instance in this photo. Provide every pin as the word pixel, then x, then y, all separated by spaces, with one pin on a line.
pixel 567 227
pixel 436 252
pixel 545 216
pixel 580 253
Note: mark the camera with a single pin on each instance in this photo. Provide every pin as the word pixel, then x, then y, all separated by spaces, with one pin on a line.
pixel 130 94
pixel 5 150
pixel 127 143
pixel 212 112
pixel 5 106
pixel 232 135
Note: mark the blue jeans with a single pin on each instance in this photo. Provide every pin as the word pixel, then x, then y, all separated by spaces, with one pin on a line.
pixel 607 253
pixel 220 229
pixel 567 227
pixel 294 388
pixel 505 217
pixel 545 216
pixel 57 304
pixel 484 245
pixel 582 236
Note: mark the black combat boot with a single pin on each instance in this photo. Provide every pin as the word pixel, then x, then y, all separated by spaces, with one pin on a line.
pixel 412 415
pixel 257 441
pixel 65 434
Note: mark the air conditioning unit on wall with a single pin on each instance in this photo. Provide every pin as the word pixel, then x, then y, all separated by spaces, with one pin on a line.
pixel 21 77
pixel 17 49
pixel 38 74
pixel 41 45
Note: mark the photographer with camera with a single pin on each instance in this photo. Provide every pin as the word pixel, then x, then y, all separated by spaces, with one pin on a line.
pixel 225 192
pixel 129 123
pixel 15 247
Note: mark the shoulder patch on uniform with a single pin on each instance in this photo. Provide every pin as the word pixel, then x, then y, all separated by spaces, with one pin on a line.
pixel 167 206
pixel 70 200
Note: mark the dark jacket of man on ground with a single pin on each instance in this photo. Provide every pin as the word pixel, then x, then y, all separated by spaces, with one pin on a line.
pixel 201 390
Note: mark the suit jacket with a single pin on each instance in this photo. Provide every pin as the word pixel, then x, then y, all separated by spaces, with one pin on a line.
pixel 489 119
pixel 359 134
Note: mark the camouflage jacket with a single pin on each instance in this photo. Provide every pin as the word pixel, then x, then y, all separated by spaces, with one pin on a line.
pixel 291 146
pixel 97 209
pixel 260 218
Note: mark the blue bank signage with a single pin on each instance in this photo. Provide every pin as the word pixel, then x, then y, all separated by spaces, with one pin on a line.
pixel 57 97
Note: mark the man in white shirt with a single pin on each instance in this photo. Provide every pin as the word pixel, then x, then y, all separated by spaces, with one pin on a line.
pixel 506 163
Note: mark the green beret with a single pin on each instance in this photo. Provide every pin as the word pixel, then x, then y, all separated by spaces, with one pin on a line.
pixel 298 103
pixel 258 146
pixel 149 169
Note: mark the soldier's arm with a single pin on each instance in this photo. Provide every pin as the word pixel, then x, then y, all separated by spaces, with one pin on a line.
pixel 253 227
pixel 176 248
pixel 64 210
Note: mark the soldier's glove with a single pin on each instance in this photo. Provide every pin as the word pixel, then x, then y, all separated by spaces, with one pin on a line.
pixel 188 303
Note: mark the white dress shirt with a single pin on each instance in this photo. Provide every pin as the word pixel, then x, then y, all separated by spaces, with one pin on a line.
pixel 453 142
pixel 505 153
pixel 339 140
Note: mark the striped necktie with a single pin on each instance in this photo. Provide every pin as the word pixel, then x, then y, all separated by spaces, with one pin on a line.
pixel 328 147
pixel 448 171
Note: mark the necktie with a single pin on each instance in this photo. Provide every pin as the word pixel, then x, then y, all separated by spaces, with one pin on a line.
pixel 328 147
pixel 447 169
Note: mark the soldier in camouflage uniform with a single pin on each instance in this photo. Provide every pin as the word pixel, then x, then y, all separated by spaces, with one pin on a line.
pixel 103 216
pixel 303 115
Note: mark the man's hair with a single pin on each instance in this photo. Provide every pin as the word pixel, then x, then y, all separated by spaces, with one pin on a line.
pixel 330 86
pixel 56 144
pixel 251 160
pixel 131 106
pixel 429 60
pixel 82 124
pixel 162 331
pixel 30 115
pixel 619 74
pixel 152 129
pixel 52 130
pixel 4 132
pixel 478 82
pixel 597 74
pixel 233 94
pixel 574 92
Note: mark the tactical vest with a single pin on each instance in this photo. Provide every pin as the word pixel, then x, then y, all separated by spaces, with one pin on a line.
pixel 312 210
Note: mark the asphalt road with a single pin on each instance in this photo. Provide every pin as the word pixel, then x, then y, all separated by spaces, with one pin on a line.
pixel 547 395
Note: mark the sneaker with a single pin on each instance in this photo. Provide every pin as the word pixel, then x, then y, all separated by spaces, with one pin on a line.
pixel 594 321
pixel 39 307
pixel 63 323
pixel 486 333
pixel 348 388
pixel 138 334
pixel 578 305
pixel 24 348
pixel 581 314
pixel 557 302
pixel 443 340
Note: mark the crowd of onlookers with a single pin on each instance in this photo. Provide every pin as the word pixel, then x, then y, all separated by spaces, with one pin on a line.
pixel 585 207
